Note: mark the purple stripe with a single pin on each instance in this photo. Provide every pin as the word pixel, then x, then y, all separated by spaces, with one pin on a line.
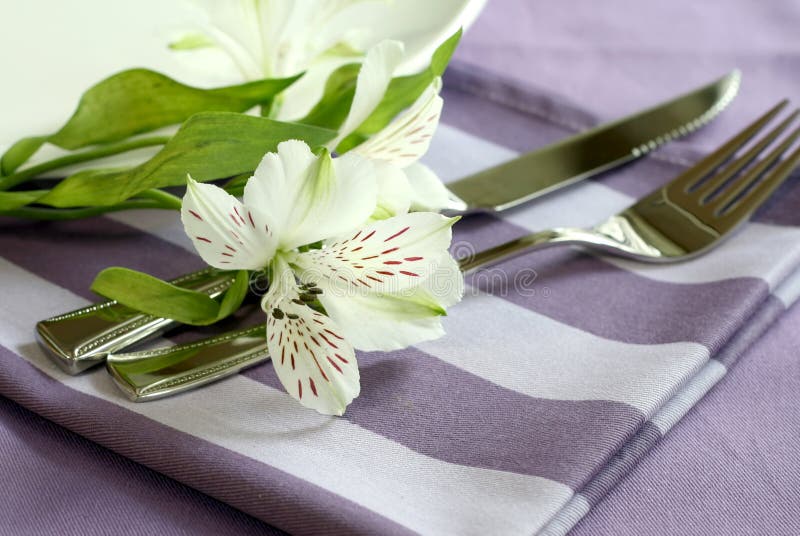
pixel 449 414
pixel 71 253
pixel 756 325
pixel 591 294
pixel 622 463
pixel 258 489
pixel 730 466
pixel 66 484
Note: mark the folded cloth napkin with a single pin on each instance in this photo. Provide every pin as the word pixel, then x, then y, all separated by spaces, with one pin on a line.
pixel 559 368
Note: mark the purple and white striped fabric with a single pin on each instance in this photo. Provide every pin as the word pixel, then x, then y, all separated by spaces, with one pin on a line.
pixel 542 396
pixel 516 422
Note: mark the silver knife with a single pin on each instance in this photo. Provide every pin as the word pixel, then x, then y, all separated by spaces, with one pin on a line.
pixel 81 339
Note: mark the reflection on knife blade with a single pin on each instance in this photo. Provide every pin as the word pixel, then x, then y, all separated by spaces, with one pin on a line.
pixel 594 151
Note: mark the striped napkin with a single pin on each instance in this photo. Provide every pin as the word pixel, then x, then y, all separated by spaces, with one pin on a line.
pixel 558 372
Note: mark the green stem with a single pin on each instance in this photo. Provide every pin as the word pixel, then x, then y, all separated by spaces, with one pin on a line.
pixel 165 199
pixel 75 158
pixel 37 213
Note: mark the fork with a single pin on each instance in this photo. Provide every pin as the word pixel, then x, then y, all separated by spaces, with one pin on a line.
pixel 684 218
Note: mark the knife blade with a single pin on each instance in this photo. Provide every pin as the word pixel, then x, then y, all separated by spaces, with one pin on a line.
pixel 593 151
pixel 82 339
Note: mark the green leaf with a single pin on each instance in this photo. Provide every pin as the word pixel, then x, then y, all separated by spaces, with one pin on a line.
pixel 401 93
pixel 331 110
pixel 140 100
pixel 19 153
pixel 13 200
pixel 137 101
pixel 208 146
pixel 235 295
pixel 153 296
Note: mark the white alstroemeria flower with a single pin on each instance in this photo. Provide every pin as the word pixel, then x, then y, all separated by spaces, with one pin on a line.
pixel 383 285
pixel 401 143
pixel 279 38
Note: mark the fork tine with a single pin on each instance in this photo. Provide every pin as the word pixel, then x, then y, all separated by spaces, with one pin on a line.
pixel 713 186
pixel 733 196
pixel 708 164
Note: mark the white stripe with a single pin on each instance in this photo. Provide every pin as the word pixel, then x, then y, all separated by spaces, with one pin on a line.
pixel 420 492
pixel 568 517
pixel 534 360
pixel 770 252
pixel 688 396
pixel 536 355
pixel 789 291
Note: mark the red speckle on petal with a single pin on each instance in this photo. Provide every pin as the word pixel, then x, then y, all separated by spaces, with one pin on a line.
pixel 384 272
pixel 392 262
pixel 225 253
pixel 203 239
pixel 283 354
pixel 368 236
pixel 300 388
pixel 292 357
pixel 196 215
pixel 343 360
pixel 375 278
pixel 235 221
pixel 356 235
pixel 313 387
pixel 389 251
pixel 328 341
pixel 334 334
pixel 230 248
pixel 370 257
pixel 412 274
pixel 412 259
pixel 335 365
pixel 357 249
pixel 398 233
pixel 250 217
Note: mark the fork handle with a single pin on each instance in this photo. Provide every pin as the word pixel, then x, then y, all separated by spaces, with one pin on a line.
pixel 153 374
pixel 81 339
pixel 533 242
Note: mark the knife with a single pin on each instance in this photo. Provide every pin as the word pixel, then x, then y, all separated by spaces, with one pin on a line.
pixel 83 338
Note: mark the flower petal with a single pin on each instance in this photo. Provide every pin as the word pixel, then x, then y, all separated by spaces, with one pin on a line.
pixel 311 198
pixel 313 360
pixel 394 321
pixel 227 234
pixel 428 193
pixel 386 256
pixel 373 79
pixel 409 135
pixel 394 191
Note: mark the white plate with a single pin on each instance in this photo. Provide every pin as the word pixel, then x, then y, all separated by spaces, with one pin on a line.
pixel 51 51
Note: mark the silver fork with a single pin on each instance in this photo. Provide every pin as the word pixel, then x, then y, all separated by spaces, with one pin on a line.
pixel 686 217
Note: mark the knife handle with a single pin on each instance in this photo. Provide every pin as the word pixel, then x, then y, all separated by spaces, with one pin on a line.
pixel 152 374
pixel 82 338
